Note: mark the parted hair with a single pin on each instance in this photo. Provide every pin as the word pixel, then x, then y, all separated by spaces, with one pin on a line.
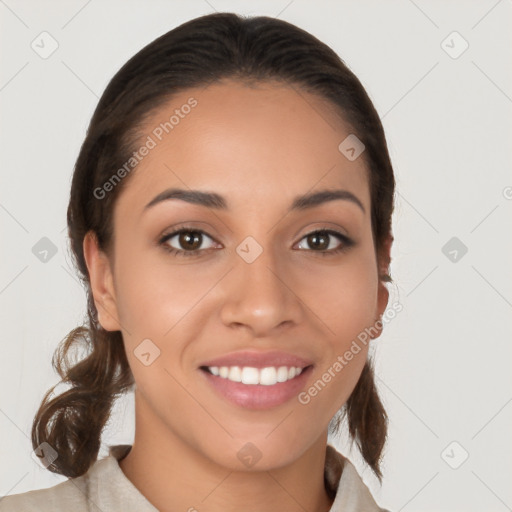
pixel 197 53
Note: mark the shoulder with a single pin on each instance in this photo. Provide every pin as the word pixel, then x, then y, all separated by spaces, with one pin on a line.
pixel 68 495
pixel 78 494
pixel 104 488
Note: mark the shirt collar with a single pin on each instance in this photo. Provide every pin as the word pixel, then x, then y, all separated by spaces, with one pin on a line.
pixel 342 482
pixel 342 478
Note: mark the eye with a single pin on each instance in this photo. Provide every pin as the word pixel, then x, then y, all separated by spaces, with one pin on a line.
pixel 191 239
pixel 322 239
pixel 188 238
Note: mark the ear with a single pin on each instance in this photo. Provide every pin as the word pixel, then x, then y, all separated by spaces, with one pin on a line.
pixel 102 283
pixel 383 293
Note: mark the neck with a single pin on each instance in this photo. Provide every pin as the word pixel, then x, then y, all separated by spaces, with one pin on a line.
pixel 174 475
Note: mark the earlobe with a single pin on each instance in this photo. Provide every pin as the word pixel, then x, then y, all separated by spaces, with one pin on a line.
pixel 382 302
pixel 101 280
pixel 383 298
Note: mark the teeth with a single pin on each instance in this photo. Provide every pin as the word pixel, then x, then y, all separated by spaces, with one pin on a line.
pixel 247 375
pixel 282 374
pixel 235 374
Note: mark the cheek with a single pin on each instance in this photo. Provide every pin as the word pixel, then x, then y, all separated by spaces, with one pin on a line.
pixel 153 294
pixel 343 297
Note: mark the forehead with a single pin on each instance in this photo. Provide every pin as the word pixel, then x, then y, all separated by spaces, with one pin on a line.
pixel 255 145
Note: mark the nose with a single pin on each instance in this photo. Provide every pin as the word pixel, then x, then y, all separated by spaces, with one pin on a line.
pixel 260 295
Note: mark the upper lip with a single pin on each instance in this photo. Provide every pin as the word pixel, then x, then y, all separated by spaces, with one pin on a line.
pixel 258 359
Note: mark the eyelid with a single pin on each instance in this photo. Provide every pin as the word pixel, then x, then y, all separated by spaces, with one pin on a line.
pixel 189 226
pixel 185 226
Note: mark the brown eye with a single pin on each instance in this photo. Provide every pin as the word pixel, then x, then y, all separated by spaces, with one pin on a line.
pixel 320 241
pixel 189 242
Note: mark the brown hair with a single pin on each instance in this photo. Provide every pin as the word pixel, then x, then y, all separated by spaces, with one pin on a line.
pixel 199 52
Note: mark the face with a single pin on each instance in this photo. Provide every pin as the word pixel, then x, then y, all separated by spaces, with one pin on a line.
pixel 252 275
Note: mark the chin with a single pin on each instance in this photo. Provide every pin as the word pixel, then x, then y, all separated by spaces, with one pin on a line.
pixel 259 454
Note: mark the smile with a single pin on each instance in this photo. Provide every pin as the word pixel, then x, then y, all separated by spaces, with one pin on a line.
pixel 248 375
pixel 256 388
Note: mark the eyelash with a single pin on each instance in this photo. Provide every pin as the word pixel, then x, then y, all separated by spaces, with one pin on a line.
pixel 347 243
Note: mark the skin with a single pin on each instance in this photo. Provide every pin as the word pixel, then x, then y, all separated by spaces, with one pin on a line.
pixel 259 147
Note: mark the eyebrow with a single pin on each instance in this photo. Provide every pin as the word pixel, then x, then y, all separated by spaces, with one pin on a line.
pixel 218 202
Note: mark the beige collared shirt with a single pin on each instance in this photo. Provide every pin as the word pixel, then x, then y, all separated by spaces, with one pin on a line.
pixel 105 488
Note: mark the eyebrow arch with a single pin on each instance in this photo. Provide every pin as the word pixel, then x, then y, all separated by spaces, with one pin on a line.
pixel 218 202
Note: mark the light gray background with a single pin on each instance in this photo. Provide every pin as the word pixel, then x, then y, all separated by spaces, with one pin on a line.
pixel 443 362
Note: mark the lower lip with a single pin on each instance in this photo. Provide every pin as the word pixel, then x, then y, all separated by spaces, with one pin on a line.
pixel 258 396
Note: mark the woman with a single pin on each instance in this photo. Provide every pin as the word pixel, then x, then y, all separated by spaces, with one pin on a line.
pixel 230 215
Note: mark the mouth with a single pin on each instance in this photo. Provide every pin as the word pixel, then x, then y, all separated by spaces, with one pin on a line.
pixel 257 388
pixel 267 376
